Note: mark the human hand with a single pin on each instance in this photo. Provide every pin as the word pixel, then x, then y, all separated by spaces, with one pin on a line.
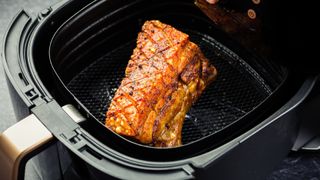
pixel 212 1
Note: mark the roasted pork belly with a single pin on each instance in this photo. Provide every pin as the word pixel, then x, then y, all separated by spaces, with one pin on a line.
pixel 164 77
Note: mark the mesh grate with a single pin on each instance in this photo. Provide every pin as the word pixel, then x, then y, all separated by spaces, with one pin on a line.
pixel 237 90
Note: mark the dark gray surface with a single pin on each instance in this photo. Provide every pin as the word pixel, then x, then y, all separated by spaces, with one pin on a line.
pixel 298 166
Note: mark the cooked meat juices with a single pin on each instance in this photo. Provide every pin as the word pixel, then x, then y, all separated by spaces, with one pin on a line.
pixel 164 77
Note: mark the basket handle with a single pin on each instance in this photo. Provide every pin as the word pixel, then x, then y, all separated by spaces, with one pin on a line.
pixel 19 143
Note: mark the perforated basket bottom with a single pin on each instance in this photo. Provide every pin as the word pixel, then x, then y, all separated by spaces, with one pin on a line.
pixel 237 90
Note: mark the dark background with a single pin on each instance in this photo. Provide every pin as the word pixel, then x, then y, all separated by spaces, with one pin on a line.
pixel 296 166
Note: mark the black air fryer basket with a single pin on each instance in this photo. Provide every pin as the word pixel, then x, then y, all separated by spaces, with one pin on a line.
pixel 102 46
pixel 76 54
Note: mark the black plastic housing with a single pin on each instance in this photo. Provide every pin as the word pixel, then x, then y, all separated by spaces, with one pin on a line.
pixel 240 156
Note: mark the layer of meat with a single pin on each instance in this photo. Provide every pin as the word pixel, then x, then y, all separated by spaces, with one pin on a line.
pixel 164 77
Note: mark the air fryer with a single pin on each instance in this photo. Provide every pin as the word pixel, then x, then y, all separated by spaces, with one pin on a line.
pixel 64 66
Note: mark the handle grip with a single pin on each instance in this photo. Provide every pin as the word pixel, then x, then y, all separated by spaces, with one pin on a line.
pixel 17 143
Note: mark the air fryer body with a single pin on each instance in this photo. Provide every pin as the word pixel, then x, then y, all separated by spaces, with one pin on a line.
pixel 249 155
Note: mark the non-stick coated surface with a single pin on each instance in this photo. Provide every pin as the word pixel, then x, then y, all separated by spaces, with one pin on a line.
pixel 237 90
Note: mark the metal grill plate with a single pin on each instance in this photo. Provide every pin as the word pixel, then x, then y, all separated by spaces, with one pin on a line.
pixel 237 90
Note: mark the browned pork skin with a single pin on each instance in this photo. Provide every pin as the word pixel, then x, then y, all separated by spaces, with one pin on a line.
pixel 164 77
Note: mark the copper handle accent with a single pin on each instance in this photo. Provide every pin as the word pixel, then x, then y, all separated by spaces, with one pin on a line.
pixel 18 141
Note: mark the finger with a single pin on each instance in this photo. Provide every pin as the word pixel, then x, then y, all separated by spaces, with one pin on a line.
pixel 212 1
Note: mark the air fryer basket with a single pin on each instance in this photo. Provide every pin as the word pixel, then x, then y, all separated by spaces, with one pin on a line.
pixel 237 90
pixel 75 53
pixel 89 54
